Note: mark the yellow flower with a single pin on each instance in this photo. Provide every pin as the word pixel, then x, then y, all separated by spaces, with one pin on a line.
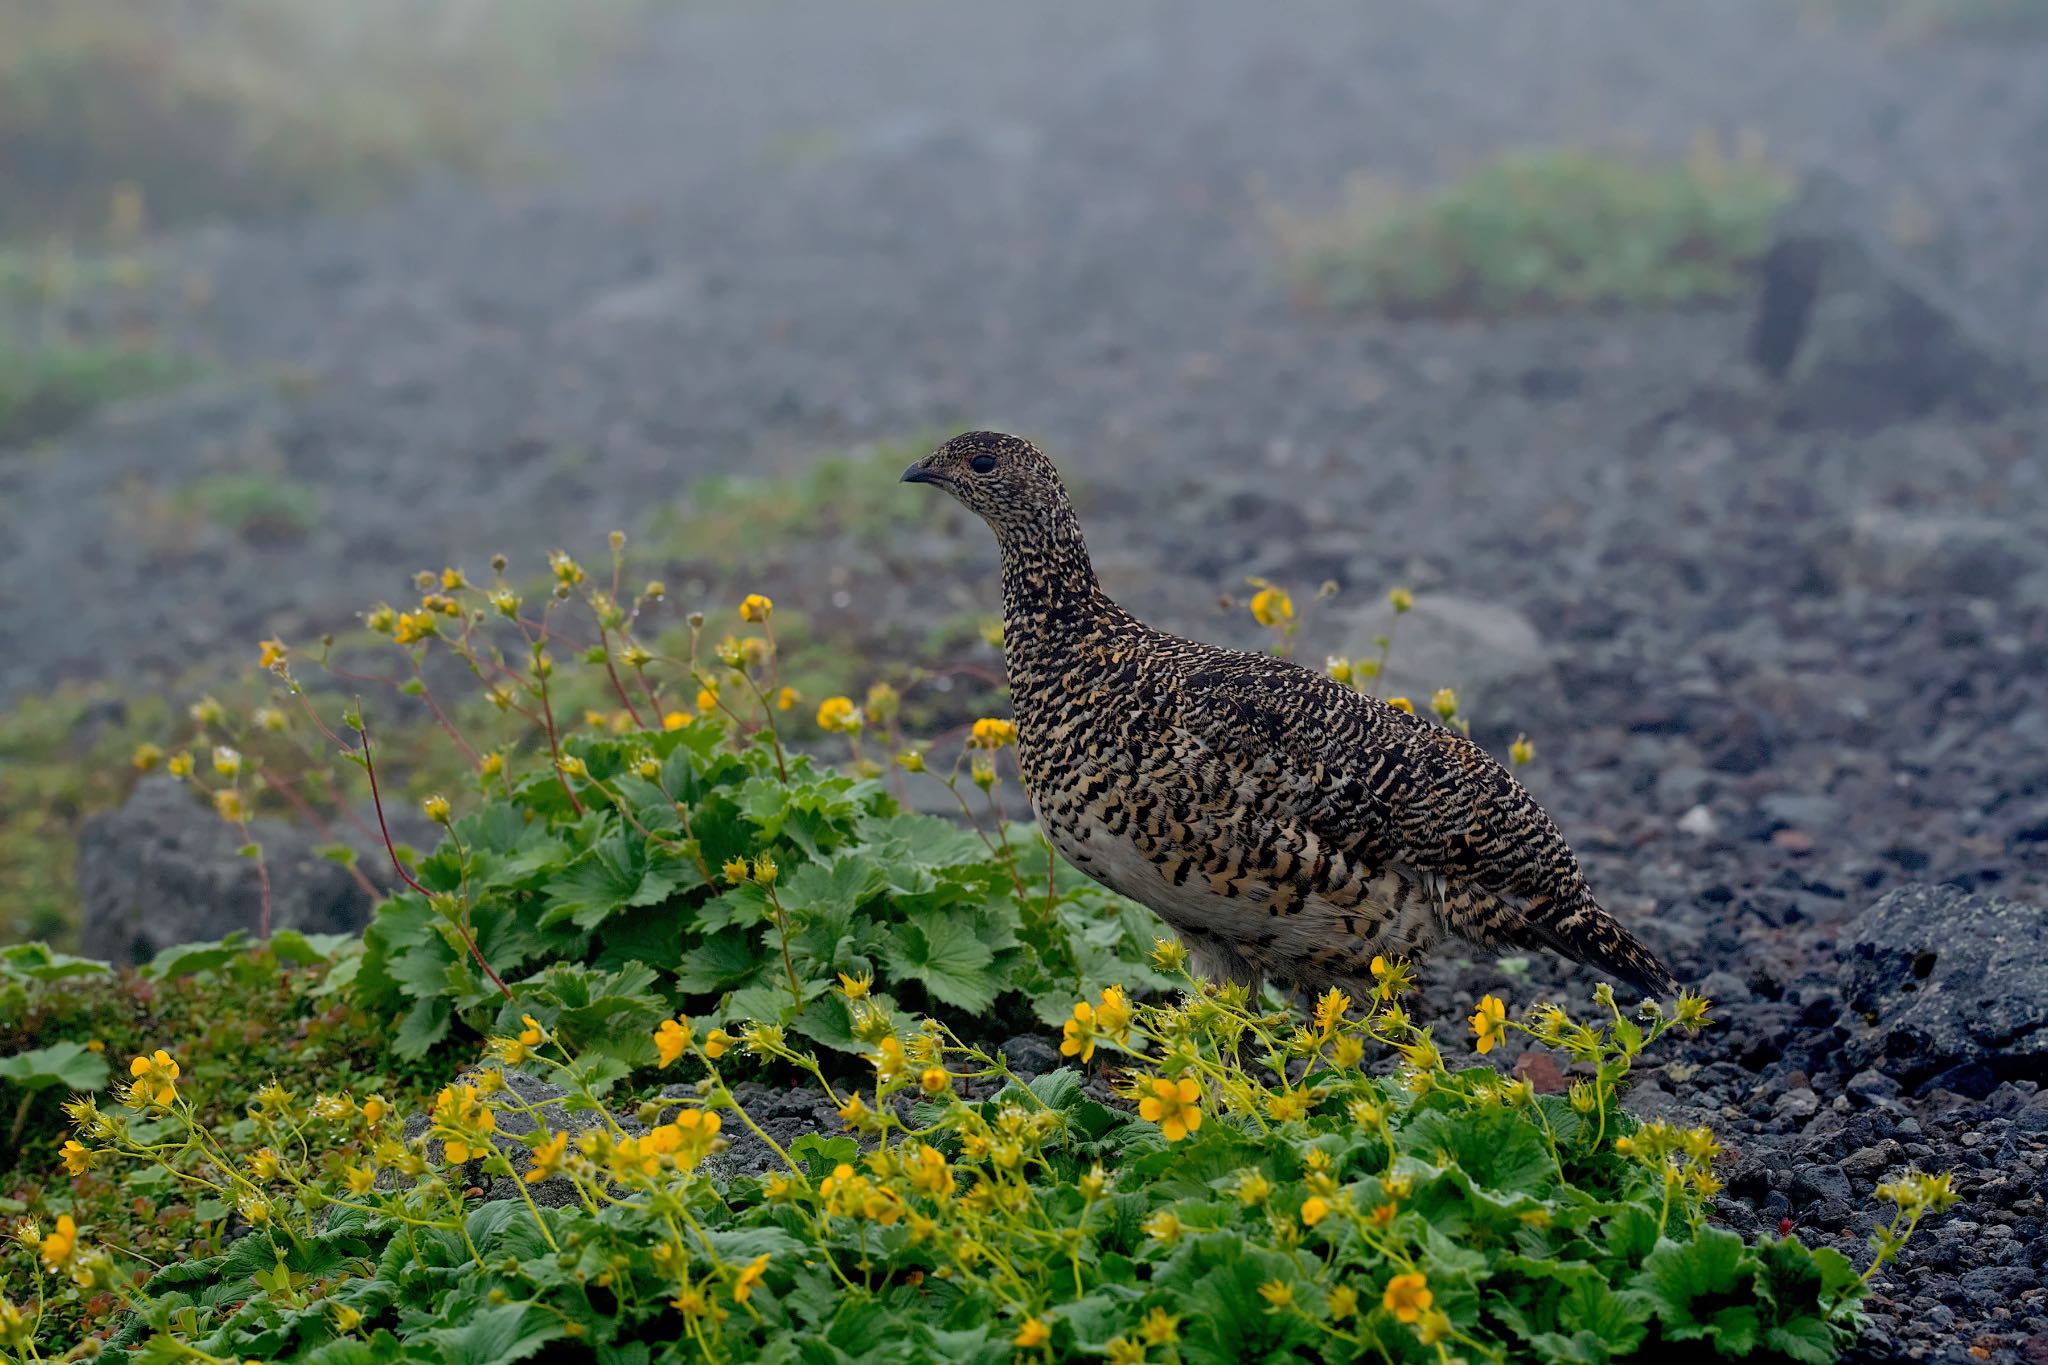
pixel 1253 1189
pixel 1164 1226
pixel 180 765
pixel 1444 702
pixel 1126 1351
pixel 146 757
pixel 764 869
pixel 786 698
pixel 911 761
pixel 990 733
pixel 61 1245
pixel 374 1110
pixel 361 1179
pixel 735 870
pixel 206 711
pixel 1489 1021
pixel 1521 751
pixel 1113 1014
pixel 648 768
pixel 264 1164
pixel 1278 1293
pixel 1401 704
pixel 229 804
pixel 1330 1010
pixel 567 571
pixel 934 1080
pixel 547 1159
pixel 1034 1333
pixel 414 626
pixel 1272 607
pixel 1407 1297
pixel 270 653
pixel 227 761
pixel 1079 1033
pixel 929 1174
pixel 1173 1105
pixel 707 699
pixel 856 987
pixel 155 1082
pixel 716 1042
pixel 1338 667
pixel 1401 600
pixel 268 718
pixel 671 1041
pixel 1314 1210
pixel 78 1158
pixel 491 764
pixel 437 809
pixel 756 608
pixel 756 1268
pixel 675 720
pixel 1160 1328
pixel 1434 1327
pixel 838 715
pixel 1343 1302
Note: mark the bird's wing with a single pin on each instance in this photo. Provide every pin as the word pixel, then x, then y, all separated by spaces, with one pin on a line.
pixel 1398 793
pixel 1363 776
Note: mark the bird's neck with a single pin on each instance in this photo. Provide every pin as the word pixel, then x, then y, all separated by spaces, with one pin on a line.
pixel 1051 599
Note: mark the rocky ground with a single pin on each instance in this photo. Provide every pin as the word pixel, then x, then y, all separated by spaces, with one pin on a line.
pixel 1784 655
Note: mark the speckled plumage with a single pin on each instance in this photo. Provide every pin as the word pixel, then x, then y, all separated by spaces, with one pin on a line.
pixel 1286 826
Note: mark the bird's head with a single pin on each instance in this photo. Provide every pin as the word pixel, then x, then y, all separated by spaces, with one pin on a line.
pixel 1004 480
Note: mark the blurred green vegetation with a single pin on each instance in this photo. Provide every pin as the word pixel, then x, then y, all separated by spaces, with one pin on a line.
pixel 46 387
pixel 742 525
pixel 62 757
pixel 1566 229
pixel 113 110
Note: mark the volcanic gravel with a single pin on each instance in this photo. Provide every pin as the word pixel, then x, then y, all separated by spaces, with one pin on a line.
pixel 1780 672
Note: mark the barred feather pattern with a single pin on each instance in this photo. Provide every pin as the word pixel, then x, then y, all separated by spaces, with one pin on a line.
pixel 1287 827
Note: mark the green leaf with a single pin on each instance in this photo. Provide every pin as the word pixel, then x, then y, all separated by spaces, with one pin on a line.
pixel 1810 1341
pixel 720 963
pixel 498 1334
pixel 944 956
pixel 191 959
pixel 68 1064
pixel 41 962
pixel 1680 1278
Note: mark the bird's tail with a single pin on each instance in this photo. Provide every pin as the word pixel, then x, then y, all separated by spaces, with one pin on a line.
pixel 1589 934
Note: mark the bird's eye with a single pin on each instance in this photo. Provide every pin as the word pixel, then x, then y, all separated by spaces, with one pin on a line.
pixel 983 464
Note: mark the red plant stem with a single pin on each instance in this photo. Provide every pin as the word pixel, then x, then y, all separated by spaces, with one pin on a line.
pixel 605 639
pixel 313 817
pixel 441 718
pixel 377 800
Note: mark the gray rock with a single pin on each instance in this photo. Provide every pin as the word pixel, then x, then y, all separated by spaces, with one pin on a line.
pixel 165 869
pixel 1491 654
pixel 1797 1104
pixel 1857 336
pixel 547 1099
pixel 1812 1183
pixel 1030 1056
pixel 1928 552
pixel 1949 987
pixel 1699 822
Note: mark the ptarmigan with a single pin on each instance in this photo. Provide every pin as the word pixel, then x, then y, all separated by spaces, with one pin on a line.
pixel 1287 827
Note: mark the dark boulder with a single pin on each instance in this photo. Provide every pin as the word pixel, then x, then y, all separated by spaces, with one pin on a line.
pixel 165 869
pixel 1857 336
pixel 1947 989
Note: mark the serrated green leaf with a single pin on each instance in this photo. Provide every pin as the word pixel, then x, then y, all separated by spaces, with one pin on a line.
pixel 944 956
pixel 68 1064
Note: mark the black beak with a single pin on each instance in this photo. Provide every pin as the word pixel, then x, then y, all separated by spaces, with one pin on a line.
pixel 917 473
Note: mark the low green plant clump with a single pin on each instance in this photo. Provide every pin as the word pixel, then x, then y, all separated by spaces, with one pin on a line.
pixel 255 106
pixel 748 524
pixel 47 387
pixel 1262 1192
pixel 237 1009
pixel 1560 230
